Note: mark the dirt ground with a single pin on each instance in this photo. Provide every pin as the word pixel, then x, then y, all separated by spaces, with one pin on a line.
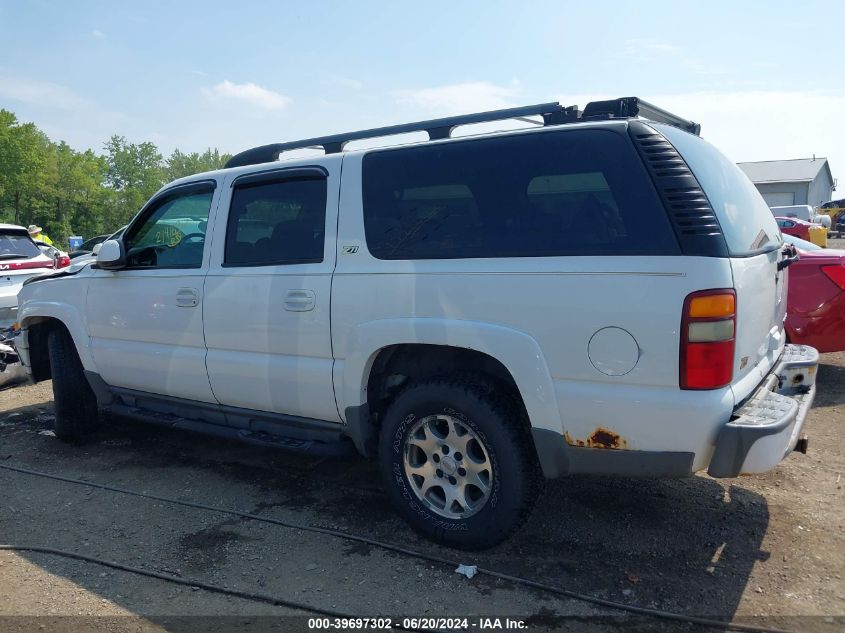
pixel 767 550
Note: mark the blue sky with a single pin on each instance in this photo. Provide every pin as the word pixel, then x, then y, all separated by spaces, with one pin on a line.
pixel 765 79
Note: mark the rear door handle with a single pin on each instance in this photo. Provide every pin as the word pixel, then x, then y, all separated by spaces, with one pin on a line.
pixel 300 300
pixel 187 297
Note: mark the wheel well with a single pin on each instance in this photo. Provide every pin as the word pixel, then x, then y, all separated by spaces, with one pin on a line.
pixel 37 333
pixel 397 365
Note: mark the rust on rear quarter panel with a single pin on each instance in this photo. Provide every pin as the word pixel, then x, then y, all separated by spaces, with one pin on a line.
pixel 601 438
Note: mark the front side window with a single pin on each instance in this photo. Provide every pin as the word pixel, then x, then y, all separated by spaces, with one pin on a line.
pixel 172 235
pixel 277 223
pixel 580 192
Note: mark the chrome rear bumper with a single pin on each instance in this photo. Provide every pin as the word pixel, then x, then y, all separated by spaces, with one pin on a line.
pixel 767 426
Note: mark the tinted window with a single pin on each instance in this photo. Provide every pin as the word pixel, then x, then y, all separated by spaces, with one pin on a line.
pixel 273 223
pixel 579 192
pixel 172 234
pixel 15 245
pixel 744 216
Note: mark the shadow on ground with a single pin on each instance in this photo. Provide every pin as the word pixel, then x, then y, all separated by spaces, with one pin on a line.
pixel 680 545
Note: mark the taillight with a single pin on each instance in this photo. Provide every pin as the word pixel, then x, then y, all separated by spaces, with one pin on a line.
pixel 708 330
pixel 64 260
pixel 836 274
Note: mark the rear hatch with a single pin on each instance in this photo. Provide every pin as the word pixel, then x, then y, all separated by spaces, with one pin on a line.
pixel 754 248
pixel 20 259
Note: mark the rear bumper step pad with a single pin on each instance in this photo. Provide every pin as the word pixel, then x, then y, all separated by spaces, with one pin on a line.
pixel 766 428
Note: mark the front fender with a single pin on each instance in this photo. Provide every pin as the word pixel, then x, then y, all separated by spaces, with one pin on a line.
pixel 517 351
pixel 58 299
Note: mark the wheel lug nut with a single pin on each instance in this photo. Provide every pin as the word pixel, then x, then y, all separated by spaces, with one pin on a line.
pixel 458 457
pixel 445 450
pixel 462 472
pixel 436 457
pixel 439 473
pixel 453 481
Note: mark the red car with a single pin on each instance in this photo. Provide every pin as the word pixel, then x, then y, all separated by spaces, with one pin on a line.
pixel 815 303
pixel 796 227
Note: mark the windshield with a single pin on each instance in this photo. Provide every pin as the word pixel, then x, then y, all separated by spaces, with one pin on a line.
pixel 747 223
pixel 14 245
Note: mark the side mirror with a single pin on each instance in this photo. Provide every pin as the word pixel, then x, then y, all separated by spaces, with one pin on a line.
pixel 96 249
pixel 111 255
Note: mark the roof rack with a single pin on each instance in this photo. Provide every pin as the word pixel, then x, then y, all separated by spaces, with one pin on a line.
pixel 552 114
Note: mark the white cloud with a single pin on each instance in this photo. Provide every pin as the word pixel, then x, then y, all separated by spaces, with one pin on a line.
pixel 250 93
pixel 646 46
pixel 40 93
pixel 346 82
pixel 458 98
pixel 702 67
pixel 97 34
pixel 767 125
pixel 62 113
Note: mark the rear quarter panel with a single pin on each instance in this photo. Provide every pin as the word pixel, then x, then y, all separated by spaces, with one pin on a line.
pixel 559 303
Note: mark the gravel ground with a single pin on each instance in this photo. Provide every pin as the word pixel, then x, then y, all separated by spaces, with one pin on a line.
pixel 765 549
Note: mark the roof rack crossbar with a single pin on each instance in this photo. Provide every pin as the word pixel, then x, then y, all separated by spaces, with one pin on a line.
pixel 552 113
pixel 435 128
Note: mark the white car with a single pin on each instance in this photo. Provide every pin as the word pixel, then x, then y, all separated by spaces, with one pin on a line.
pixel 802 212
pixel 20 259
pixel 598 294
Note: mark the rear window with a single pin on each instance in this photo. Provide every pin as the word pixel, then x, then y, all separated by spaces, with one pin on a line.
pixel 747 223
pixel 15 245
pixel 581 192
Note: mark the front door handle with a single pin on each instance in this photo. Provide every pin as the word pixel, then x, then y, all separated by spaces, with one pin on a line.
pixel 187 297
pixel 300 300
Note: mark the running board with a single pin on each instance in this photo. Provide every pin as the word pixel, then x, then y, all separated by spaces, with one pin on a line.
pixel 333 446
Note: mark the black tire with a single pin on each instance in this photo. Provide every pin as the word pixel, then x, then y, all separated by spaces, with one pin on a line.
pixel 497 421
pixel 74 402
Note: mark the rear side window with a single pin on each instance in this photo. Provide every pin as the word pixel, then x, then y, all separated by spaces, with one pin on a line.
pixel 276 223
pixel 15 245
pixel 747 223
pixel 579 192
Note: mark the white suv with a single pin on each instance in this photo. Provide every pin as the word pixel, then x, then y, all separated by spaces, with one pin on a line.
pixel 599 294
pixel 20 259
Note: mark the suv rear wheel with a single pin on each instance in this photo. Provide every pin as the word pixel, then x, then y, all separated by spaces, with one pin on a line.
pixel 74 401
pixel 457 462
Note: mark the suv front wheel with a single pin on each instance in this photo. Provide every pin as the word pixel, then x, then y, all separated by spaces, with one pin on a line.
pixel 457 462
pixel 74 402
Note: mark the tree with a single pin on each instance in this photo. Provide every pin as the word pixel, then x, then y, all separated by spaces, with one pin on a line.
pixel 78 192
pixel 24 151
pixel 70 192
pixel 134 172
pixel 180 164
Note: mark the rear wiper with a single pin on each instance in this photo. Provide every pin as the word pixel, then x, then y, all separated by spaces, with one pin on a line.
pixel 14 256
pixel 791 254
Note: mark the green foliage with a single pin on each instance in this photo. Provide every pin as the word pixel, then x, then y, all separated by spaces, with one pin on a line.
pixel 83 193
pixel 180 165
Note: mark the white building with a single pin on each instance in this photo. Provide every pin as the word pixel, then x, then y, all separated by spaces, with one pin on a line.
pixel 787 182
